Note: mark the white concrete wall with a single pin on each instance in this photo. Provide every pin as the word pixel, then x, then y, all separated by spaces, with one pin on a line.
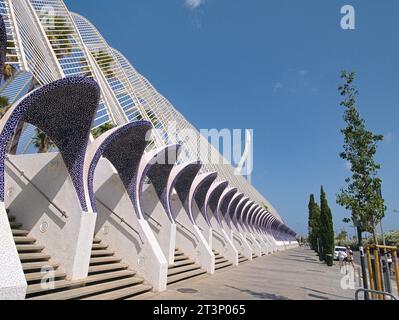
pixel 138 248
pixel 202 225
pixel 238 240
pixel 12 279
pixel 219 235
pixel 266 247
pixel 253 242
pixel 190 239
pixel 67 240
pixel 164 229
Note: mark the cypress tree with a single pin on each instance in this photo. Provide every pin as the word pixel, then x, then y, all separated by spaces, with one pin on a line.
pixel 313 223
pixel 326 226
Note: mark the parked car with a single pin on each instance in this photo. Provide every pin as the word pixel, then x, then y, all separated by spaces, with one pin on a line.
pixel 337 250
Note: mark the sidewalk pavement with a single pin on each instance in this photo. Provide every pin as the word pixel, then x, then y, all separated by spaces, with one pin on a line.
pixel 295 274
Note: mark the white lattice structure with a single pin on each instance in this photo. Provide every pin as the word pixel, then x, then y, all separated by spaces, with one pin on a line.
pixel 47 42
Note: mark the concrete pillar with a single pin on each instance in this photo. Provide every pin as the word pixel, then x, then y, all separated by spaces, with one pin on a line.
pixel 12 279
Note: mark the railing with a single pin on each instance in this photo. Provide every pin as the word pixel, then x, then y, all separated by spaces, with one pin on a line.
pixel 220 237
pixel 238 239
pixel 373 292
pixel 186 229
pixel 121 219
pixel 22 174
pixel 153 220
pixel 219 234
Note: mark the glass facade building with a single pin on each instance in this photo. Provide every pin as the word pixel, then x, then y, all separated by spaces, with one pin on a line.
pixel 47 42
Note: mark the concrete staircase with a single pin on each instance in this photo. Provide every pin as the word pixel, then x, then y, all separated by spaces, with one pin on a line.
pixel 183 268
pixel 254 256
pixel 220 261
pixel 108 279
pixel 241 258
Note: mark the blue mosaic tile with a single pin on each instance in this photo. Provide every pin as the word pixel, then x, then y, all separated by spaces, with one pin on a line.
pixel 64 110
pixel 124 148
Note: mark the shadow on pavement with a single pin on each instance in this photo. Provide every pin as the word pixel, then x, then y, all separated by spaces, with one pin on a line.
pixel 260 295
pixel 299 260
pixel 324 293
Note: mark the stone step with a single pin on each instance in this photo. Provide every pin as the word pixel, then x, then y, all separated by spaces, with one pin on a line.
pixel 19 233
pixel 107 276
pixel 24 240
pixel 102 253
pixel 104 260
pixel 38 276
pixel 223 265
pixel 243 259
pixel 142 296
pixel 178 253
pixel 218 258
pixel 107 267
pixel 38 289
pixel 86 291
pixel 15 225
pixel 185 275
pixel 33 256
pixel 38 266
pixel 181 258
pixel 126 293
pixel 177 270
pixel 223 260
pixel 96 241
pixel 99 246
pixel 29 248
pixel 181 263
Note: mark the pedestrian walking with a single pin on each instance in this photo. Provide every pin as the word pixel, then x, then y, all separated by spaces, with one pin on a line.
pixel 341 258
pixel 349 257
pixel 389 260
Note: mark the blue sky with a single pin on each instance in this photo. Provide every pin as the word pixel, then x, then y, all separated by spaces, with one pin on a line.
pixel 272 66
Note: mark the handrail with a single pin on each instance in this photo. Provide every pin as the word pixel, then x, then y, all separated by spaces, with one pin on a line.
pixel 22 174
pixel 152 219
pixel 121 219
pixel 189 231
pixel 238 239
pixel 367 291
pixel 219 234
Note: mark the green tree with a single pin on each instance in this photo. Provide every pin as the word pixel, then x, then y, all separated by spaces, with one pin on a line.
pixel 313 223
pixel 362 195
pixel 106 62
pixel 42 141
pixel 8 68
pixel 342 236
pixel 326 226
pixel 102 129
pixel 8 71
pixel 13 146
pixel 60 34
pixel 4 106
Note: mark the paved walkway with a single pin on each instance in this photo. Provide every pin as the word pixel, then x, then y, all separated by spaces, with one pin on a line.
pixel 295 274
